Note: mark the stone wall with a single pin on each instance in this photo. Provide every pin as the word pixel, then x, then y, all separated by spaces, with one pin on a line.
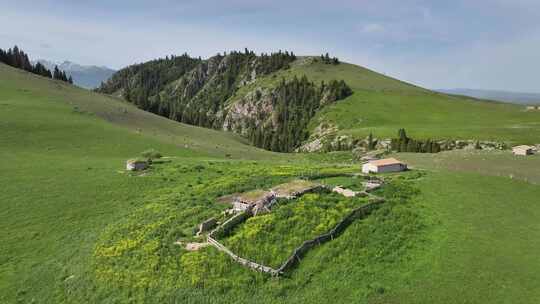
pixel 300 251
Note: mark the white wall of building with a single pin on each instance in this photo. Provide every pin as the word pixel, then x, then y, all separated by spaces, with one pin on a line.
pixel 367 168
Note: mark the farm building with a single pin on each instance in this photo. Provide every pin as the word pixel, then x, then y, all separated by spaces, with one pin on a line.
pixel 256 201
pixel 522 150
pixel 383 166
pixel 533 108
pixel 136 165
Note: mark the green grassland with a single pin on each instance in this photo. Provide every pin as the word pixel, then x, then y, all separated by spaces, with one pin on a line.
pixel 76 228
pixel 61 152
pixel 493 163
pixel 484 244
pixel 381 105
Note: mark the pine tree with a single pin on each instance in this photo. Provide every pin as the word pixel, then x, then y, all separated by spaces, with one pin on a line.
pixel 477 145
pixel 56 73
pixel 370 141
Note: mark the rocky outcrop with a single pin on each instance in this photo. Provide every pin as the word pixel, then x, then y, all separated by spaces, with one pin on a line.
pixel 254 110
pixel 326 139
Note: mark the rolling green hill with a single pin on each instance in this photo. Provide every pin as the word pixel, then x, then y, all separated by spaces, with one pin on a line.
pixel 76 228
pixel 381 105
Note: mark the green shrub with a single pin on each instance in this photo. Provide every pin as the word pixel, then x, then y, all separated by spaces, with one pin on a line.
pixel 151 154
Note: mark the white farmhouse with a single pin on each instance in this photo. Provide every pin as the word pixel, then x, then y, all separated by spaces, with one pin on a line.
pixel 383 166
pixel 522 150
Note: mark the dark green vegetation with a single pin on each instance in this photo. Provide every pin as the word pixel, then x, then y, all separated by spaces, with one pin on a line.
pixel 327 60
pixel 17 58
pixel 76 228
pixel 205 93
pixel 403 143
pixel 294 103
pixel 191 90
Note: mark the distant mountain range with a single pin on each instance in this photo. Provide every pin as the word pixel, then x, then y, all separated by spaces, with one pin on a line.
pixel 512 97
pixel 86 76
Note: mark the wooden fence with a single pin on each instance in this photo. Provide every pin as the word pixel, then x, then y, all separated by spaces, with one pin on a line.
pixel 240 260
pixel 229 224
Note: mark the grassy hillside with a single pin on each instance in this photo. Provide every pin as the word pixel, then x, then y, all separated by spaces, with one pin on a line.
pixel 62 156
pixel 76 228
pixel 382 105
pixel 40 105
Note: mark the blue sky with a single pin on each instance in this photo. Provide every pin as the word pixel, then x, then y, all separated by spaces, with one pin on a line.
pixel 486 44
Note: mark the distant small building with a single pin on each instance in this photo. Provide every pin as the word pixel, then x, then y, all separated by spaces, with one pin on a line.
pixel 522 150
pixel 384 166
pixel 533 108
pixel 136 165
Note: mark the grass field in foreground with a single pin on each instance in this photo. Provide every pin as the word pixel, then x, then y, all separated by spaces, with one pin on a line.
pixel 486 242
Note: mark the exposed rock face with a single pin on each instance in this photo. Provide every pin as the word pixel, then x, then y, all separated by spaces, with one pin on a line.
pixel 325 139
pixel 255 109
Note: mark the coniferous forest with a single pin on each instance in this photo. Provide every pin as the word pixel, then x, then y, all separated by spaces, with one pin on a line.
pixel 17 58
pixel 295 102
pixel 403 143
pixel 198 92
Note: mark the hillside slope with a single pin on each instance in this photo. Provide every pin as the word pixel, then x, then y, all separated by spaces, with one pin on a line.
pixel 62 158
pixel 379 105
pixel 209 93
pixel 56 105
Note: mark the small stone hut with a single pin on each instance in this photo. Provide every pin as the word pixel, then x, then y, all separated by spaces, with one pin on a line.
pixel 256 201
pixel 523 150
pixel 136 165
